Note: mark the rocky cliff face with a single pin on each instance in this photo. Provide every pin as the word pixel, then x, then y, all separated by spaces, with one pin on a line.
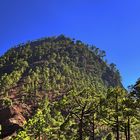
pixel 11 120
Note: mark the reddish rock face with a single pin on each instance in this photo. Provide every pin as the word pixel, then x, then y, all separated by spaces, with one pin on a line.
pixel 11 119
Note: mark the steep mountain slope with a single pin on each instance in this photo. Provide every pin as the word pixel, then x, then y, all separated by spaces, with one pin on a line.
pixel 49 66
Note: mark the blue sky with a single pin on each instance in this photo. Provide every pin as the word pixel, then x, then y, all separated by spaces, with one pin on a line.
pixel 111 25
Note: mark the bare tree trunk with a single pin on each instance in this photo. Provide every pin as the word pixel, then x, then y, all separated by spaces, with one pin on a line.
pixel 126 137
pixel 81 123
pixel 128 128
pixel 117 119
pixel 117 127
pixel 93 129
pixel 81 129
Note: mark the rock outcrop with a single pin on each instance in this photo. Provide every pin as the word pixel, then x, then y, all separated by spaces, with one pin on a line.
pixel 11 119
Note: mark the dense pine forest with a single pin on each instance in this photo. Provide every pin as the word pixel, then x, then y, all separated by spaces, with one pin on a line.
pixel 58 88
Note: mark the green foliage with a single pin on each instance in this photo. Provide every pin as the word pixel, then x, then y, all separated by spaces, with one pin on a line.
pixel 43 124
pixel 5 102
pixel 62 57
pixel 74 77
pixel 110 136
pixel 84 114
pixel 136 89
pixel 22 135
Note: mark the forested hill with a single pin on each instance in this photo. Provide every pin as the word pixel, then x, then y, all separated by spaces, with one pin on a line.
pixel 49 66
pixel 61 55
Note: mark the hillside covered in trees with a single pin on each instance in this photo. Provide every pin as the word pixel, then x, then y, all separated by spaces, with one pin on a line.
pixel 58 88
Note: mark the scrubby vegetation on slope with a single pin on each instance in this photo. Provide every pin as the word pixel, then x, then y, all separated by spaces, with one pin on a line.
pixel 64 90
